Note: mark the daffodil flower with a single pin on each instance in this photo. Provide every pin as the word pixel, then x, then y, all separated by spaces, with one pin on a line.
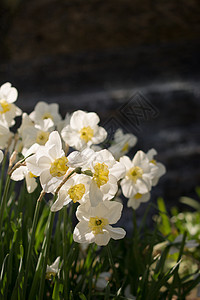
pixel 45 111
pixel 32 133
pixel 50 163
pixel 76 189
pixel 139 174
pixel 53 269
pixel 83 130
pixel 95 223
pixel 122 143
pixel 8 110
pixel 137 199
pixel 161 170
pixel 23 172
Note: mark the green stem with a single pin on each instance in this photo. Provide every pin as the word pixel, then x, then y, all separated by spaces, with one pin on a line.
pixel 65 279
pixel 31 244
pixel 112 265
pixel 2 173
pixel 3 203
pixel 46 254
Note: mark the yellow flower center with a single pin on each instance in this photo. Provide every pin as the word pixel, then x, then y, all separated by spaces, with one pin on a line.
pixel 5 106
pixel 138 196
pixel 42 137
pixel 76 192
pixel 59 167
pixel 97 224
pixel 153 161
pixel 31 175
pixel 125 148
pixel 135 173
pixel 49 275
pixel 47 115
pixel 101 174
pixel 86 133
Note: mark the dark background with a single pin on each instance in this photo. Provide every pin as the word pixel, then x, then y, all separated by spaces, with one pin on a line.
pixel 106 55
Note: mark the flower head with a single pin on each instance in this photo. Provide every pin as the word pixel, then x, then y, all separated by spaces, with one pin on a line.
pixel 122 143
pixel 83 130
pixel 8 110
pixel 76 189
pixel 50 163
pixel 139 174
pixel 161 170
pixel 45 111
pixel 95 223
pixel 53 269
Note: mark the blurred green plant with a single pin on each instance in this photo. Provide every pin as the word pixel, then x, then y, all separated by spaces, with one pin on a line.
pixel 157 263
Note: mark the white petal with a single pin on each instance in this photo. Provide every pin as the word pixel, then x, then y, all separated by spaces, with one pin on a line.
pixel 113 211
pixel 31 183
pixel 102 239
pixel 82 233
pixel 19 173
pixel 125 160
pixel 118 170
pixel 1 156
pixel 95 194
pixel 116 233
pixel 12 95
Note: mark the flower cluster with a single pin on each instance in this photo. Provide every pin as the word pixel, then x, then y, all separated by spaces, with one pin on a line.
pixel 67 159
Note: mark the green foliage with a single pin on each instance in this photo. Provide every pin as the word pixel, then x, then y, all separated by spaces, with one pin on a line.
pixel 142 264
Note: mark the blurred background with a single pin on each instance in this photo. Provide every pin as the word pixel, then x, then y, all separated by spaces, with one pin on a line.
pixel 136 63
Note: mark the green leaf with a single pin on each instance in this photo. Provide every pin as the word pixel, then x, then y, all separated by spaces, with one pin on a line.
pixel 165 227
pixel 190 202
pixel 82 296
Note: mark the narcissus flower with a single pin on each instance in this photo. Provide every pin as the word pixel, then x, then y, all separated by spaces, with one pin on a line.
pixel 106 172
pixel 45 111
pixel 83 130
pixel 137 199
pixel 8 110
pixel 95 223
pixel 53 269
pixel 139 174
pixel 50 163
pixel 76 189
pixel 122 143
pixel 23 172
pixel 161 168
pixel 32 133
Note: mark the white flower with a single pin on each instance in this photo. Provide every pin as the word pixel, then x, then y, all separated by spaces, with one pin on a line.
pixel 23 172
pixel 139 174
pixel 94 225
pixel 50 163
pixel 161 168
pixel 1 156
pixel 35 133
pixel 44 111
pixel 5 135
pixel 53 269
pixel 106 174
pixel 122 143
pixel 76 189
pixel 83 130
pixel 137 199
pixel 8 110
